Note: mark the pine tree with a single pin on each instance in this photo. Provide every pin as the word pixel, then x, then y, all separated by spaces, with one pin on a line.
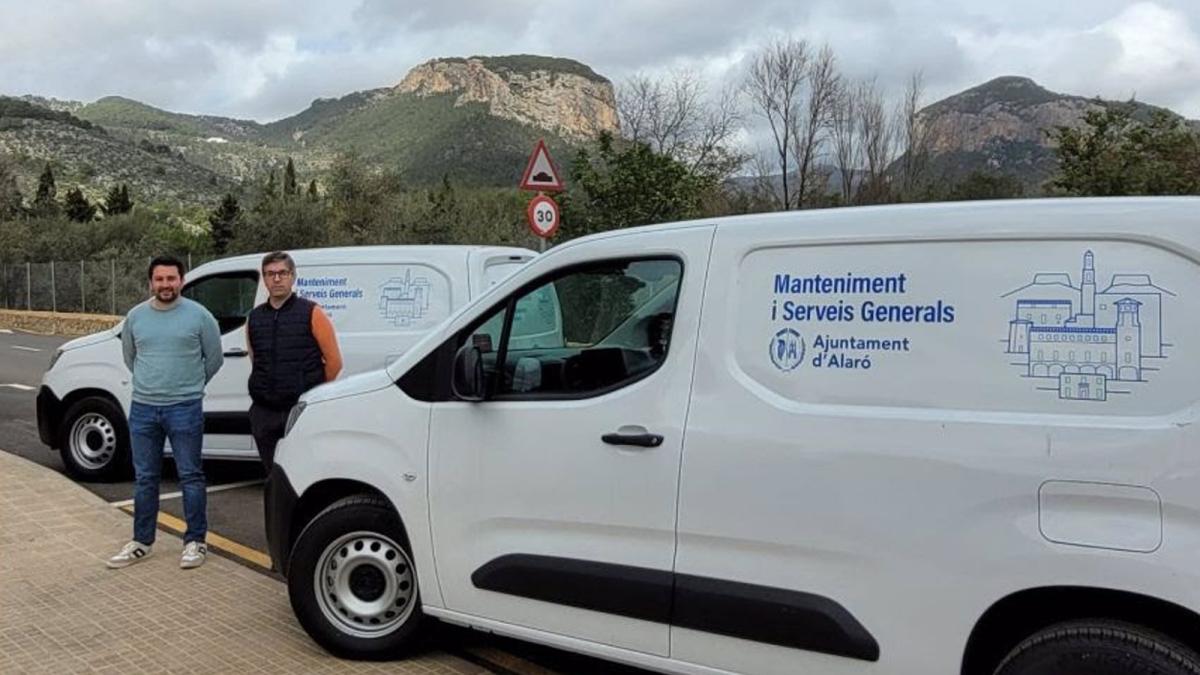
pixel 78 208
pixel 271 191
pixel 313 196
pixel 45 204
pixel 289 181
pixel 224 222
pixel 11 206
pixel 444 213
pixel 117 201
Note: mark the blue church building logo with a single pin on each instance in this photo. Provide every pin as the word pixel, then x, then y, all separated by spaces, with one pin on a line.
pixel 1086 343
pixel 404 301
pixel 787 349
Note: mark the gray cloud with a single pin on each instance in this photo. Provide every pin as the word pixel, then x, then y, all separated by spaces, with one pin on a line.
pixel 269 58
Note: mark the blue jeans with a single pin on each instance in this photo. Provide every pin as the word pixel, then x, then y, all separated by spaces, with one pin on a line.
pixel 149 426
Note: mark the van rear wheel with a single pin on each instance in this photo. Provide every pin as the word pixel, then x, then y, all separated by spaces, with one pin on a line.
pixel 94 440
pixel 352 583
pixel 1099 647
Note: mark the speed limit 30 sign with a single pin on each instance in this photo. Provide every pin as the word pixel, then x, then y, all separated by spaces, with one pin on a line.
pixel 543 216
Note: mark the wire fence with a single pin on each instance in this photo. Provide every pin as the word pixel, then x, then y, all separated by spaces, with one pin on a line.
pixel 82 286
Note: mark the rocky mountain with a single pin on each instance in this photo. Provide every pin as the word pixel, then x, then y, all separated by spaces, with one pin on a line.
pixel 1002 127
pixel 474 119
pixel 557 95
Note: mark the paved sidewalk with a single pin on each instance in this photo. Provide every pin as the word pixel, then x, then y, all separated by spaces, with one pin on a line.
pixel 62 610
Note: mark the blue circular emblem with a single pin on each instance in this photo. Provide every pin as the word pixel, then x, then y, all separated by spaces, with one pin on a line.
pixel 787 349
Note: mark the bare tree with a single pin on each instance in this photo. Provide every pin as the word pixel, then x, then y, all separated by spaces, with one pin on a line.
pixel 713 150
pixel 913 137
pixel 812 126
pixel 638 99
pixel 764 189
pixel 876 136
pixel 676 117
pixel 679 120
pixel 774 85
pixel 847 151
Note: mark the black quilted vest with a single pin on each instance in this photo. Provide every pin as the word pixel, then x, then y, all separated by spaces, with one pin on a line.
pixel 287 358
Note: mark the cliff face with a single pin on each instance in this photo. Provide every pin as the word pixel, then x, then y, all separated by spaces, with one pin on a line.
pixel 1002 126
pixel 576 105
pixel 1007 108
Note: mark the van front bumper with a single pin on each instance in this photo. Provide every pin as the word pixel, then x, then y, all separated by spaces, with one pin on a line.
pixel 279 506
pixel 49 413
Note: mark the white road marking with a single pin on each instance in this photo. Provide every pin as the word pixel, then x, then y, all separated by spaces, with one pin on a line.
pixel 25 349
pixel 18 387
pixel 176 495
pixel 5 331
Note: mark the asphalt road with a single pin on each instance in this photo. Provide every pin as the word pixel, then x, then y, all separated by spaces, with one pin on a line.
pixel 234 513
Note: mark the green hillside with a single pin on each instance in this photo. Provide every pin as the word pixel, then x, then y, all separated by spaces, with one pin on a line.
pixel 96 161
pixel 425 138
pixel 116 111
pixel 13 111
pixel 322 113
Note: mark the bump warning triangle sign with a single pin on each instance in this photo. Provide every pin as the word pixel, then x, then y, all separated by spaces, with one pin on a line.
pixel 540 173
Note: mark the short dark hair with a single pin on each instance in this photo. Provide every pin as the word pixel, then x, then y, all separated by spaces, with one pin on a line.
pixel 279 256
pixel 167 261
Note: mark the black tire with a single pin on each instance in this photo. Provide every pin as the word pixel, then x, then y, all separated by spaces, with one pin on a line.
pixel 352 582
pixel 94 440
pixel 1099 647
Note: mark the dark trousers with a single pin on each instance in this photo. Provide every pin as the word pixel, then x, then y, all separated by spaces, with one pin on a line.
pixel 266 425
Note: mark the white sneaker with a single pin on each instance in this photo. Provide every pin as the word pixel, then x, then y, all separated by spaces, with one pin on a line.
pixel 194 553
pixel 130 553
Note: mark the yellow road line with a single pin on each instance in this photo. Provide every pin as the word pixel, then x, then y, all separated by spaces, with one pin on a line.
pixel 215 541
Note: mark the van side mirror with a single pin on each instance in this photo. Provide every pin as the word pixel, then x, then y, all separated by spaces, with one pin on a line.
pixel 467 382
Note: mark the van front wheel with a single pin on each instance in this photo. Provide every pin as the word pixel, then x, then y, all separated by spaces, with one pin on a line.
pixel 94 440
pixel 1097 647
pixel 352 583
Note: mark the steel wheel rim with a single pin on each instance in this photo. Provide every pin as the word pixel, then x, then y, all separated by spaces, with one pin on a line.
pixel 93 441
pixel 364 584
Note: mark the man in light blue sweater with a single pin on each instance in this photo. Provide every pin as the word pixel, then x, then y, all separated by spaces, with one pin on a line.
pixel 172 346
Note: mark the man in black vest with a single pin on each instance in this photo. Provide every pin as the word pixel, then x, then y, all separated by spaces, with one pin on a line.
pixel 292 349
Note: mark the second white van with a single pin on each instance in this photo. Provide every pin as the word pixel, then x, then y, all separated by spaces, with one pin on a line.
pixel 380 299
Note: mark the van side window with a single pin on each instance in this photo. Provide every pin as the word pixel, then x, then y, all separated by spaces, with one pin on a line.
pixel 229 297
pixel 587 331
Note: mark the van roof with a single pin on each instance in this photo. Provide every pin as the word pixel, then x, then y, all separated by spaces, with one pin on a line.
pixel 887 217
pixel 370 254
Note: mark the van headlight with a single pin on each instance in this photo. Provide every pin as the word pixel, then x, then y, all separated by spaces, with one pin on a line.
pixel 54 359
pixel 293 416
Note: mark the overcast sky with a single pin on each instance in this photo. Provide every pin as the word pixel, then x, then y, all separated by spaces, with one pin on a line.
pixel 267 59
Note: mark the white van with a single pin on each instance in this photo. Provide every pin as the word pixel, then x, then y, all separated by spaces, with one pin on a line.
pixel 380 299
pixel 921 440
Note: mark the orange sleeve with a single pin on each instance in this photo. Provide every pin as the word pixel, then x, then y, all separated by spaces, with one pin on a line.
pixel 322 330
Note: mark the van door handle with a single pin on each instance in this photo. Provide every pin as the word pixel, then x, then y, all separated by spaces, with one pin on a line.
pixel 643 440
pixel 236 353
